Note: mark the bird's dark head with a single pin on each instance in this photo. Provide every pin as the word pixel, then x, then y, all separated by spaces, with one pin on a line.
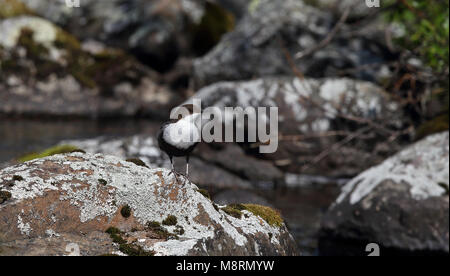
pixel 183 111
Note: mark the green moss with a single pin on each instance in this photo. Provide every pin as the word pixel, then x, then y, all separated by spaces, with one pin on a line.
pixel 113 230
pixel 17 178
pixel 4 196
pixel 170 220
pixel 271 216
pixel 233 210
pixel 179 230
pixel 12 8
pixel 137 162
pixel 125 211
pixel 116 235
pixel 48 152
pixel 205 193
pixel 160 231
pixel 436 125
pixel 103 70
pixel 153 225
pixel 66 41
pixel 135 250
pixel 124 247
pixel 103 182
pixel 34 49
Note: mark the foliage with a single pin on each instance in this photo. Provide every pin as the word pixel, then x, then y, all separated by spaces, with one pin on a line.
pixel 48 152
pixel 426 29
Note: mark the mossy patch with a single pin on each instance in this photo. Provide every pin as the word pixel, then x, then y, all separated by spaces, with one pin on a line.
pixel 11 183
pixel 205 193
pixel 92 70
pixel 125 211
pixel 234 210
pixel 153 225
pixel 162 233
pixel 17 178
pixel 135 250
pixel 436 125
pixel 179 230
pixel 115 235
pixel 13 8
pixel 271 216
pixel 124 247
pixel 4 196
pixel 48 152
pixel 170 220
pixel 137 162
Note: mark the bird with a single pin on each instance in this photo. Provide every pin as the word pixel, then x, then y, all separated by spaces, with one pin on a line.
pixel 179 137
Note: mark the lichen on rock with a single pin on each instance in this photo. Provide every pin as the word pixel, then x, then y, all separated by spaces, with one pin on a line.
pixel 424 166
pixel 65 191
pixel 402 205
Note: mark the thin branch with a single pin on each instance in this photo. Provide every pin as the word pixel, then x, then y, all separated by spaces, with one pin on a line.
pixel 327 39
pixel 337 146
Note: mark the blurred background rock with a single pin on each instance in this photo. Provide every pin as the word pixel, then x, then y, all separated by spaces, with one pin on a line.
pixel 355 86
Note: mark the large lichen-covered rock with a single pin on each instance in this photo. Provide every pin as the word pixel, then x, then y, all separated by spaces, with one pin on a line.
pixel 272 29
pixel 226 166
pixel 103 205
pixel 44 70
pixel 314 115
pixel 401 204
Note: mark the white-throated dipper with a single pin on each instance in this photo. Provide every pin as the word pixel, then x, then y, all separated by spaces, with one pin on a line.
pixel 178 137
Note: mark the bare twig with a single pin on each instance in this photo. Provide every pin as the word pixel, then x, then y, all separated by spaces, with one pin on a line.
pixel 327 39
pixel 337 146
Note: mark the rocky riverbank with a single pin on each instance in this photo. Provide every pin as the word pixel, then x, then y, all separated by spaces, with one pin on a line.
pixel 363 129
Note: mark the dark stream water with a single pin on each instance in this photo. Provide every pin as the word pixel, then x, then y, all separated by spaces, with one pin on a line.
pixel 302 208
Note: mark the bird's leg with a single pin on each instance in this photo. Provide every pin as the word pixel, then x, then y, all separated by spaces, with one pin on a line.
pixel 173 169
pixel 187 169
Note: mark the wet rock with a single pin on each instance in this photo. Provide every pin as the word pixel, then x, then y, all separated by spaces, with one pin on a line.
pixel 62 199
pixel 275 32
pixel 314 115
pixel 46 71
pixel 233 158
pixel 401 204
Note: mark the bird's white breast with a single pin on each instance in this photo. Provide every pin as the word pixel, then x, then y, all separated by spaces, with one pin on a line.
pixel 182 134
